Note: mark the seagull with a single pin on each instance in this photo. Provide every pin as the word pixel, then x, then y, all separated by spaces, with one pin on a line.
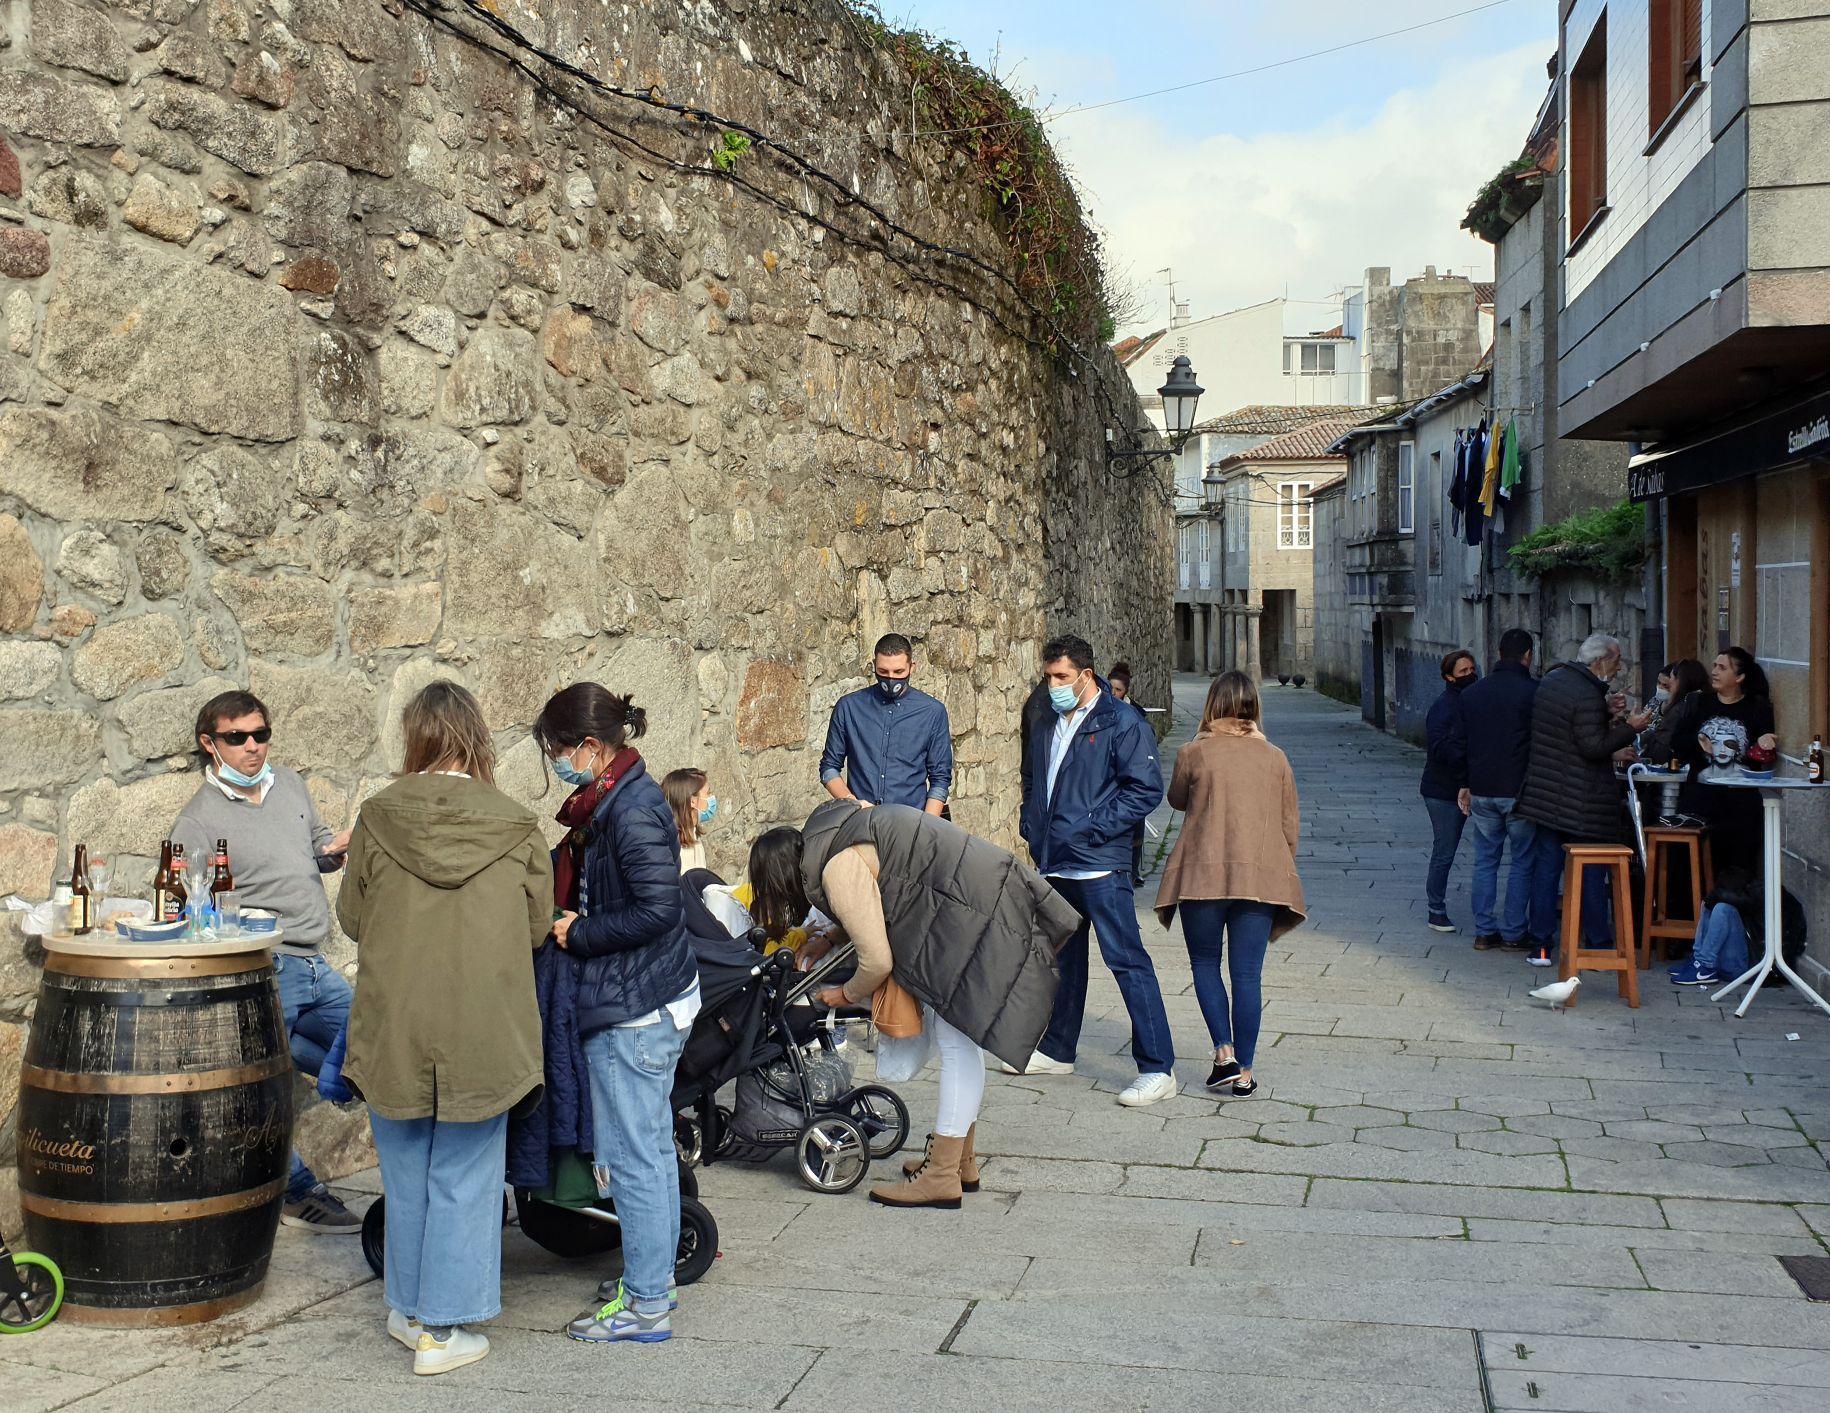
pixel 1558 993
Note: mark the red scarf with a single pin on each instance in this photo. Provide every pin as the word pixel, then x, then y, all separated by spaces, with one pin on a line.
pixel 575 814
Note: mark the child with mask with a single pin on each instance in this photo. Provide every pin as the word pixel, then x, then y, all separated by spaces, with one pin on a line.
pixel 694 806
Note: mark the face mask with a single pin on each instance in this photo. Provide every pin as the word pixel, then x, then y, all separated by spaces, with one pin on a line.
pixel 892 687
pixel 1662 695
pixel 1063 699
pixel 229 775
pixel 710 812
pixel 569 773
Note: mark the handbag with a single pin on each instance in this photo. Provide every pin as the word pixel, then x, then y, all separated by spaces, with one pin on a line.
pixel 894 1012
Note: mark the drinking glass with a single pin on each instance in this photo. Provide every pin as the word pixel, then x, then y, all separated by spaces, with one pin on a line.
pixel 228 913
pixel 101 870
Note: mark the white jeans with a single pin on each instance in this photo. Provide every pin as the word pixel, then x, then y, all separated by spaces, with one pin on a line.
pixel 962 1078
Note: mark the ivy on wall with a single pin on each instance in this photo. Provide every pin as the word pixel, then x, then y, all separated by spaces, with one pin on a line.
pixel 1608 542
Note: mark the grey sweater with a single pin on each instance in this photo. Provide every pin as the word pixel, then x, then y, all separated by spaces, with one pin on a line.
pixel 273 852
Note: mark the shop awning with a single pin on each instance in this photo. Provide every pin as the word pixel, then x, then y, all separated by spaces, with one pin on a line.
pixel 1796 429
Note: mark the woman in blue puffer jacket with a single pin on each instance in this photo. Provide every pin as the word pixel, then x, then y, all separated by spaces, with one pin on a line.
pixel 617 889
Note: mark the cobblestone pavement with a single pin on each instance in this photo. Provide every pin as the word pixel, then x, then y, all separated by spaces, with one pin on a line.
pixel 1445 1197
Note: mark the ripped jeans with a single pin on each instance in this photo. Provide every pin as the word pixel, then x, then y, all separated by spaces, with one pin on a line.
pixel 632 1080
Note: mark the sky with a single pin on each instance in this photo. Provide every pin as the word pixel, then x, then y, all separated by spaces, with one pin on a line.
pixel 1288 182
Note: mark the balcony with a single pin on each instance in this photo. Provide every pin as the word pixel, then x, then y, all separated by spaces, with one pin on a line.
pixel 1183 577
pixel 1206 575
pixel 1381 573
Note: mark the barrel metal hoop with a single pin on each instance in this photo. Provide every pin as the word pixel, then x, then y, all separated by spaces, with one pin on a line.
pixel 157 1316
pixel 187 1082
pixel 121 1213
pixel 148 968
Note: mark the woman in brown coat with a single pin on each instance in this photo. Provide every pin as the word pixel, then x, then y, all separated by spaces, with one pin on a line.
pixel 1233 868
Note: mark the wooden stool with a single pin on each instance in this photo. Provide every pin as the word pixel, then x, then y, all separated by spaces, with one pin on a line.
pixel 1619 958
pixel 1660 925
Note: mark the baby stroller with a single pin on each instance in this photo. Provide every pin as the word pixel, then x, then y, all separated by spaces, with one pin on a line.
pixel 745 1032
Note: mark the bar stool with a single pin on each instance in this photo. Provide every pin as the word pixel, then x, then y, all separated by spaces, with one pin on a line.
pixel 1663 841
pixel 1620 957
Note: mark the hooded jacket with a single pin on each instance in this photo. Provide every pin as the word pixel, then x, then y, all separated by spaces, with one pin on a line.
pixel 448 889
pixel 973 932
pixel 1569 779
pixel 1108 782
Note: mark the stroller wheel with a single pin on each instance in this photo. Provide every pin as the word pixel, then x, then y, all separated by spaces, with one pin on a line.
pixel 698 1242
pixel 726 1138
pixel 36 1293
pixel 882 1115
pixel 689 1182
pixel 832 1154
pixel 689 1140
pixel 374 1235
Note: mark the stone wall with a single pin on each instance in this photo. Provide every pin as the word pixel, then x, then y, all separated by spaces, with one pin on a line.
pixel 334 358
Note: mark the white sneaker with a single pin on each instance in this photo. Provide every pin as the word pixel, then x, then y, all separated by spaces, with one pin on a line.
pixel 403 1329
pixel 1040 1064
pixel 462 1348
pixel 1148 1089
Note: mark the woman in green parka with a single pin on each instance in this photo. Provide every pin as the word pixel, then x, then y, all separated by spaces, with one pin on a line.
pixel 448 890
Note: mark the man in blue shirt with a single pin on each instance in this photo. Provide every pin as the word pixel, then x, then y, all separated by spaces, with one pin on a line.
pixel 888 743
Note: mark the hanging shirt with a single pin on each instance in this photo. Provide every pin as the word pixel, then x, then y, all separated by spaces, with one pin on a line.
pixel 1458 480
pixel 1512 463
pixel 1490 474
pixel 1475 521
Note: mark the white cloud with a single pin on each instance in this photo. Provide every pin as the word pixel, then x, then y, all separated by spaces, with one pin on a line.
pixel 1243 219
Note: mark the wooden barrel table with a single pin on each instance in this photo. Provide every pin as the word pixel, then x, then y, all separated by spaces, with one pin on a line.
pixel 155 1126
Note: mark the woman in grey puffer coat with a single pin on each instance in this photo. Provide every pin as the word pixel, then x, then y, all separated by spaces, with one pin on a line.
pixel 966 929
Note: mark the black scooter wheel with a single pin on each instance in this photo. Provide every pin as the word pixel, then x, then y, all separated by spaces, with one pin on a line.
pixel 698 1242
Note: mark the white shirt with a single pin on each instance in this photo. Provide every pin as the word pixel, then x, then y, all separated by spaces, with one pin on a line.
pixel 681 1010
pixel 260 793
pixel 1067 726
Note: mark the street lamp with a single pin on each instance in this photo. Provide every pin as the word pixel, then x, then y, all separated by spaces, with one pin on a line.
pixel 1213 489
pixel 1180 394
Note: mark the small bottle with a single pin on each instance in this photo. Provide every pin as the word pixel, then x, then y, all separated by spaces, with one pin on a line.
pixel 1814 761
pixel 162 882
pixel 82 904
pixel 221 879
pixel 177 894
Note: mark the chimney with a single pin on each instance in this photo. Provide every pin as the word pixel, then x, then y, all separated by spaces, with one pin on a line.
pixel 1181 314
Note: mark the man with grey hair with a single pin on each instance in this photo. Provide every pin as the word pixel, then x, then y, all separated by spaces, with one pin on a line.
pixel 1570 791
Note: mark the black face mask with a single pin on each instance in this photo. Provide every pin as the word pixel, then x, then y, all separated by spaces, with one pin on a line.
pixel 892 687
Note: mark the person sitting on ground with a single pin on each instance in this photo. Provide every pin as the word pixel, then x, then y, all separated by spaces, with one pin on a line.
pixel 963 928
pixel 694 806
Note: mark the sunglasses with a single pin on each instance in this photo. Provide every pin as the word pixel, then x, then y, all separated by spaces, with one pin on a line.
pixel 261 735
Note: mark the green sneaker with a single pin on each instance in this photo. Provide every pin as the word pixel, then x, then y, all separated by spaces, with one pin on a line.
pixel 613 1290
pixel 619 1320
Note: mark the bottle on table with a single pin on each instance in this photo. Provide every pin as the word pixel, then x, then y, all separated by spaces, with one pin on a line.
pixel 222 880
pixel 82 900
pixel 1814 761
pixel 162 884
pixel 177 894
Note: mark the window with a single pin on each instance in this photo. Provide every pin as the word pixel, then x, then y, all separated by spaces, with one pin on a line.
pixel 1204 569
pixel 1588 133
pixel 1674 57
pixel 1434 490
pixel 1784 613
pixel 1407 487
pixel 1311 359
pixel 1184 543
pixel 1295 515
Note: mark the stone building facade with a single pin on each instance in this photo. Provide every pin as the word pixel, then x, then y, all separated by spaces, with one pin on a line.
pixel 337 358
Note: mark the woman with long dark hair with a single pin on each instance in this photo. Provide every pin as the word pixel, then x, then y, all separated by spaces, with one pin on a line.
pixel 1728 725
pixel 617 887
pixel 447 893
pixel 1233 869
pixel 1678 682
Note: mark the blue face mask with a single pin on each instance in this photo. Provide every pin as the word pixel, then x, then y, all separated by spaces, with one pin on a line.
pixel 1063 699
pixel 710 812
pixel 892 687
pixel 569 773
pixel 229 775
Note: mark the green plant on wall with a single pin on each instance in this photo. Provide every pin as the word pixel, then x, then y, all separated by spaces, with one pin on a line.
pixel 732 146
pixel 1608 542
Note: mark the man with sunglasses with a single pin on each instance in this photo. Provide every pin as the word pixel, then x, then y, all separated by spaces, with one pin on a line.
pixel 279 849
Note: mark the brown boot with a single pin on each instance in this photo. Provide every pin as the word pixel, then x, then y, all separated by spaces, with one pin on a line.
pixel 968 1162
pixel 935 1185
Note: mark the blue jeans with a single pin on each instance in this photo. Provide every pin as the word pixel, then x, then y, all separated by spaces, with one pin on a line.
pixel 1722 942
pixel 1106 906
pixel 1498 829
pixel 1246 926
pixel 1446 821
pixel 444 1187
pixel 315 998
pixel 632 1080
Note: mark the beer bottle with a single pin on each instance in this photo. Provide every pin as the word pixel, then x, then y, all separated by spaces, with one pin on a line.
pixel 177 895
pixel 82 904
pixel 221 879
pixel 162 881
pixel 1814 762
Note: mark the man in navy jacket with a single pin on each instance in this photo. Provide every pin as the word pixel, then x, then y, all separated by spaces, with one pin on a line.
pixel 1496 726
pixel 1092 774
pixel 1445 771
